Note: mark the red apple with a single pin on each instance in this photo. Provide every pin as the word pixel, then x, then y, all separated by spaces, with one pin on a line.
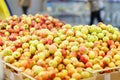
pixel 83 50
pixel 110 42
pixel 84 58
pixel 12 37
pixel 88 64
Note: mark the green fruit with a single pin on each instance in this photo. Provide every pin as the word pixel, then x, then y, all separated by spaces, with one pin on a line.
pixel 32 49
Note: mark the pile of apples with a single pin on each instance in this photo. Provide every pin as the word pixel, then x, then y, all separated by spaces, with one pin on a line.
pixel 48 49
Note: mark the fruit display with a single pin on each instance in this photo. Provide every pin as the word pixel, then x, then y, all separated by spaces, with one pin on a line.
pixel 48 49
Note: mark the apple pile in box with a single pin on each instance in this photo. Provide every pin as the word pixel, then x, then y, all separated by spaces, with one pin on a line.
pixel 47 49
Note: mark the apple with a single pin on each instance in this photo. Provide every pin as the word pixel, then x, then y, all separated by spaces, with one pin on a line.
pixel 117 43
pixel 70 32
pixel 58 59
pixel 66 61
pixel 12 37
pixel 76 76
pixel 61 67
pixel 78 34
pixel 116 57
pixel 75 61
pixel 117 63
pixel 44 75
pixel 47 53
pixel 83 50
pixel 114 36
pixel 110 42
pixel 32 49
pixel 57 40
pixel 73 54
pixel 35 57
pixel 34 42
pixel 106 38
pixel 84 58
pixel 16 54
pixel 52 74
pixel 16 28
pixel 96 67
pixel 104 44
pixel 40 47
pixel 106 60
pixel 67 26
pixel 64 52
pixel 80 40
pixel 27 54
pixel 105 32
pixel 110 53
pixel 101 53
pixel 7 51
pixel 58 53
pixel 25 45
pixel 17 43
pixel 37 20
pixel 37 69
pixel 89 44
pixel 62 37
pixel 9 59
pixel 74 48
pixel 111 64
pixel 105 49
pixel 19 50
pixel 88 64
pixel 92 28
pixel 70 67
pixel 53 63
pixel 65 42
pixel 85 30
pixel 7 33
pixel 41 63
pixel 51 37
pixel 52 48
pixel 41 55
pixel 34 37
pixel 92 54
pixel 85 74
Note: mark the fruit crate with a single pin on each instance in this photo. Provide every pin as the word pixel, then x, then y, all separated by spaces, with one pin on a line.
pixel 13 73
pixel 107 74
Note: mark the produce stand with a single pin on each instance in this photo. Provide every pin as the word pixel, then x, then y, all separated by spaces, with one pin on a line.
pixel 41 47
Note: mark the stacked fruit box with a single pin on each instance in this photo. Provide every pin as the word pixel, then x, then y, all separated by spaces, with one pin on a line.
pixel 41 47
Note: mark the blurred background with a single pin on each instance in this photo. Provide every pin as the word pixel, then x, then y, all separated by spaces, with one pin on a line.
pixel 71 11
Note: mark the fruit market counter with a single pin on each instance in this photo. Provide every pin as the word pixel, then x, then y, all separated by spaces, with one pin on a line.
pixel 41 47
